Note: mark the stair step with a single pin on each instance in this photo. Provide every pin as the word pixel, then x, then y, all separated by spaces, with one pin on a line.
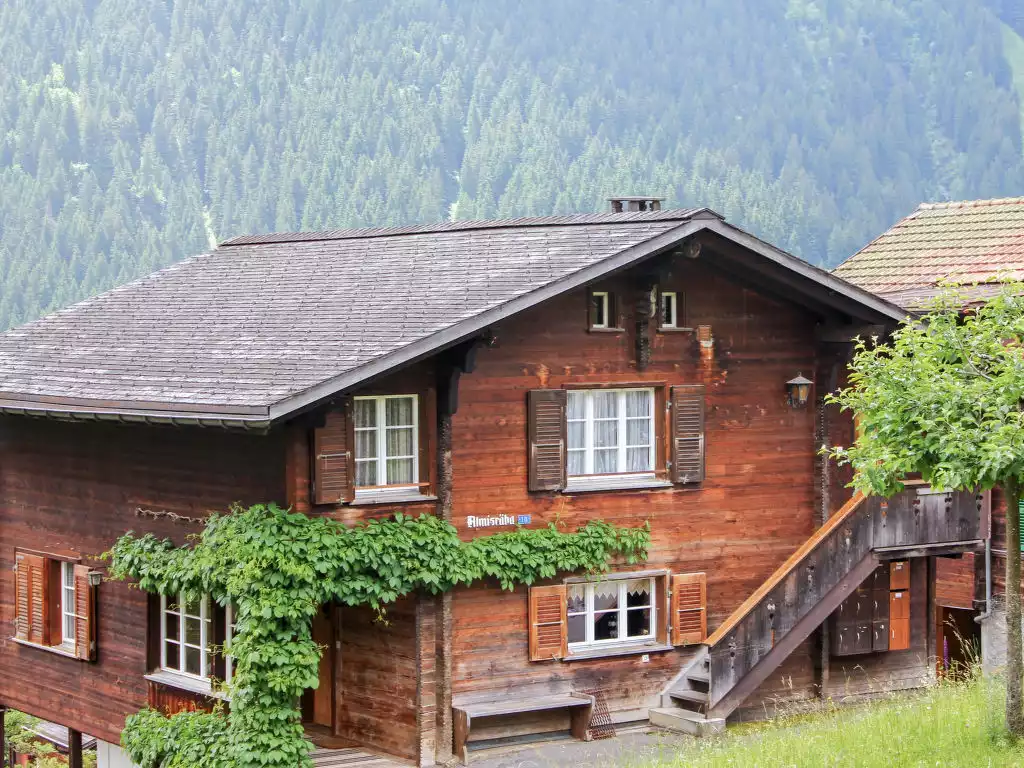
pixel 697 697
pixel 699 675
pixel 681 720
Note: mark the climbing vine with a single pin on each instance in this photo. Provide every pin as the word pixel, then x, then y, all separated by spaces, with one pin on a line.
pixel 277 567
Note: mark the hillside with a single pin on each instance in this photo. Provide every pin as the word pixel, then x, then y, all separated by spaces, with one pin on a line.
pixel 134 133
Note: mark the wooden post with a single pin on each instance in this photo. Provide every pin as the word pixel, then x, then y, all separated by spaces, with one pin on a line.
pixel 444 623
pixel 74 748
pixel 297 467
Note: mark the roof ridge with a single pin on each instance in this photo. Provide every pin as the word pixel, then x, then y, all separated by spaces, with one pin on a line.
pixel 952 204
pixel 555 220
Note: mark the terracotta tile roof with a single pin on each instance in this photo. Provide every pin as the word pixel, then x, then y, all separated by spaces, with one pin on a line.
pixel 972 242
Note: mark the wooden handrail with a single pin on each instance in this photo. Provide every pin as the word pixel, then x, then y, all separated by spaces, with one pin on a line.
pixel 780 573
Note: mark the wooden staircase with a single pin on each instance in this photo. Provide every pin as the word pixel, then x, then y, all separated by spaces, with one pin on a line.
pixel 769 625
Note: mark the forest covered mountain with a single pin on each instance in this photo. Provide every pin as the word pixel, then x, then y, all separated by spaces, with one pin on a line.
pixel 136 132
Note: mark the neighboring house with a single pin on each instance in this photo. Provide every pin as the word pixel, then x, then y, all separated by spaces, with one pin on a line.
pixel 978 243
pixel 637 366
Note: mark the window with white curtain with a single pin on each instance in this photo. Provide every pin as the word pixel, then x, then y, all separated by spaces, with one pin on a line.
pixel 610 431
pixel 608 612
pixel 386 441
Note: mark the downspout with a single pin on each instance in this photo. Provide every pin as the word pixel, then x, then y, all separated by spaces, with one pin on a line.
pixel 980 618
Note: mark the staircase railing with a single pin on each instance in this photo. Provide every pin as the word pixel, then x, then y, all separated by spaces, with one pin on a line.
pixel 805 589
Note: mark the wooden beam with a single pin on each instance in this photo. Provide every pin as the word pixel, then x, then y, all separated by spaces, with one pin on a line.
pixel 74 748
pixel 843 334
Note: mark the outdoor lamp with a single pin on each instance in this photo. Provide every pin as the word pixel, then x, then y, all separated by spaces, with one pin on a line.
pixel 95 578
pixel 799 391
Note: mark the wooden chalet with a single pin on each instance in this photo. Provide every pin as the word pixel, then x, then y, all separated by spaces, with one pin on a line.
pixel 978 243
pixel 639 365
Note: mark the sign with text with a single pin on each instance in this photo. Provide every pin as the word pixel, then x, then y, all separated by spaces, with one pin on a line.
pixel 497 521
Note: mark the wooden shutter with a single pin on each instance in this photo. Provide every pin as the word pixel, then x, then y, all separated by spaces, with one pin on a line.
pixel 688 612
pixel 546 434
pixel 687 434
pixel 548 623
pixel 85 615
pixel 333 465
pixel 32 590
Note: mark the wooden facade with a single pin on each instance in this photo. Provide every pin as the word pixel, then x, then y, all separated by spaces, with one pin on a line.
pixel 731 509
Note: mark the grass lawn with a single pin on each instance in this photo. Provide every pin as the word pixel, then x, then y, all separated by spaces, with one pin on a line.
pixel 952 724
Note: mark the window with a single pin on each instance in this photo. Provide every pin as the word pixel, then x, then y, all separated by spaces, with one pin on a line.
pixel 669 309
pixel 386 441
pixel 608 612
pixel 610 431
pixel 599 309
pixel 55 604
pixel 602 309
pixel 67 603
pixel 188 646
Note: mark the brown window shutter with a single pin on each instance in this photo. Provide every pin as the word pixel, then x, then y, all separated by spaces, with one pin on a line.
pixel 85 615
pixel 687 439
pixel 220 636
pixel 333 464
pixel 546 431
pixel 548 623
pixel 153 639
pixel 688 612
pixel 33 591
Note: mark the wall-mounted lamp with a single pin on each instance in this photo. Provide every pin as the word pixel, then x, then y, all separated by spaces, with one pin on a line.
pixel 799 391
pixel 95 578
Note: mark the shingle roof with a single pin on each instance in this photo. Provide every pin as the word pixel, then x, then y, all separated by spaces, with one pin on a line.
pixel 265 325
pixel 971 242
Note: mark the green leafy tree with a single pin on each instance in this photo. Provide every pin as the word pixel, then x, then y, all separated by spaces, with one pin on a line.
pixel 943 397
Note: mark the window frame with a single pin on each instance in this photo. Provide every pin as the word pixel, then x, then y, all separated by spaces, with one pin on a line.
pixel 673 320
pixel 622 611
pixel 622 446
pixel 606 304
pixel 207 650
pixel 381 459
pixel 66 608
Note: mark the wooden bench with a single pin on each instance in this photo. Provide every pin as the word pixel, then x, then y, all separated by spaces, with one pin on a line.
pixel 579 705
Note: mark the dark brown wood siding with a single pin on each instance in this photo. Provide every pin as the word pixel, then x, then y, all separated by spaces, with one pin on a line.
pixel 754 508
pixel 74 487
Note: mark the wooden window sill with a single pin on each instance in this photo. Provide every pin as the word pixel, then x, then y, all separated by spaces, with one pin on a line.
pixel 614 483
pixel 605 330
pixel 405 496
pixel 606 652
pixel 59 650
pixel 186 683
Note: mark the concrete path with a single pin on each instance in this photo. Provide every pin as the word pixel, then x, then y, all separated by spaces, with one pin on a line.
pixel 634 748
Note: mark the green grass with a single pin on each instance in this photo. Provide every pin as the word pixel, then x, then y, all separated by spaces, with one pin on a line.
pixel 952 724
pixel 1013 48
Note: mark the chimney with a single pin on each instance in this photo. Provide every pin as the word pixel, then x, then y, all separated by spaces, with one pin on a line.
pixel 642 203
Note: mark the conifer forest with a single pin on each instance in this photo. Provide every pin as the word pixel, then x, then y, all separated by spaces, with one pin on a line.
pixel 134 133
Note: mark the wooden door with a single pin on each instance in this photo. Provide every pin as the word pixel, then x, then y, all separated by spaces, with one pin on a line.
pixel 318 703
pixel 899 620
